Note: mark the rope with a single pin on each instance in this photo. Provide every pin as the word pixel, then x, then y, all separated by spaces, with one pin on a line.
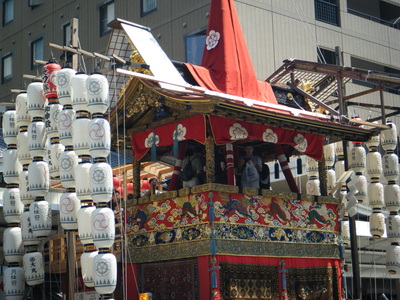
pixel 309 31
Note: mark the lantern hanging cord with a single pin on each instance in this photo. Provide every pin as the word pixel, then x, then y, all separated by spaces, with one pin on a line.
pixel 81 60
pixel 369 72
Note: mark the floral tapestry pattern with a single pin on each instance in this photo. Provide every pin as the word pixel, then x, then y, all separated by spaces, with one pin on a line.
pixel 232 217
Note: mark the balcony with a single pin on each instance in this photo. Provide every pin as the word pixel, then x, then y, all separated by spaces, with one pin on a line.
pixel 394 24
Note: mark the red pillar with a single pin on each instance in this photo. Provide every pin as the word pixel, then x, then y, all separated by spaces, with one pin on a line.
pixel 230 165
pixel 178 166
pixel 286 169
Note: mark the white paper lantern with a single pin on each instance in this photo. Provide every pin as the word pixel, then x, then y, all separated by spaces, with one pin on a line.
pixel 65 119
pixel 97 93
pixel 36 99
pixel 346 233
pixel 389 137
pixel 374 164
pixel 69 207
pixel 12 245
pixel 14 283
pixel 392 197
pixel 362 187
pixel 101 181
pixel 339 168
pixel 99 134
pixel 390 166
pixel 34 268
pixel 26 196
pixel 105 273
pixel 80 134
pixel 82 180
pixel 24 157
pixel 87 267
pixel 377 224
pixel 393 259
pixel 38 178
pixel 374 141
pixel 68 162
pixel 376 195
pixel 12 205
pixel 11 165
pixel 79 92
pixel 393 227
pixel 339 148
pixel 21 107
pixel 41 218
pixel 10 128
pixel 51 119
pixel 37 142
pixel 28 239
pixel 312 186
pixel 103 227
pixel 64 85
pixel 84 224
pixel 54 154
pixel 330 179
pixel 312 167
pixel 358 158
pixel 329 155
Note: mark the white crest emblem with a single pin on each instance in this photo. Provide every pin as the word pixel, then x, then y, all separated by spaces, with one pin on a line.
pixel 270 136
pixel 238 132
pixel 151 140
pixel 212 39
pixel 301 143
pixel 179 133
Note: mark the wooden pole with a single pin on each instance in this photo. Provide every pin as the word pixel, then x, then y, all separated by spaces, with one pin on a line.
pixel 71 238
pixel 352 221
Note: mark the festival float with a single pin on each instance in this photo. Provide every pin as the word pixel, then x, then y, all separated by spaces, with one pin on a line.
pixel 215 240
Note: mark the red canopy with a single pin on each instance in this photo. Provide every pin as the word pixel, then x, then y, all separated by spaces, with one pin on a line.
pixel 225 131
pixel 226 66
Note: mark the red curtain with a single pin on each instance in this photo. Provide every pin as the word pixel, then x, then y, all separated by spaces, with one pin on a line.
pixel 193 128
pixel 227 130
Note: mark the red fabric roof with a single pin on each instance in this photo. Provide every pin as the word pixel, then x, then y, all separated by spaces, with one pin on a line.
pixel 226 65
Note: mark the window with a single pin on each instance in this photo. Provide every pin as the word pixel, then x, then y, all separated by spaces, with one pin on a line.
pixel 6 68
pixel 326 56
pixel 327 11
pixel 194 47
pixel 148 6
pixel 67 34
pixel 36 51
pixel 8 11
pixel 107 14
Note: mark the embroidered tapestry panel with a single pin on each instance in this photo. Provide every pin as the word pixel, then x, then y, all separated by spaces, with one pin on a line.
pixel 318 283
pixel 170 279
pixel 246 282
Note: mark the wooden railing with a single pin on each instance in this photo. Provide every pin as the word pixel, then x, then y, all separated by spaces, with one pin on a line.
pixel 55 251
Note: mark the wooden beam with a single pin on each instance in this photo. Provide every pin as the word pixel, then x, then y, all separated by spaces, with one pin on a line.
pixel 313 99
pixel 370 124
pixel 101 56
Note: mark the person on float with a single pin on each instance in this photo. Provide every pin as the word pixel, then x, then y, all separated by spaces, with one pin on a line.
pixel 250 167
